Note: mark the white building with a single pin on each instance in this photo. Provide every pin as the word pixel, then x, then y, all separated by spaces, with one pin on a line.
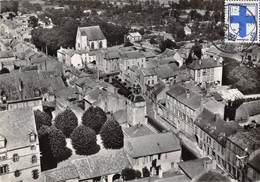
pixel 206 70
pixel 90 38
pixel 157 152
pixel 134 37
pixel 19 146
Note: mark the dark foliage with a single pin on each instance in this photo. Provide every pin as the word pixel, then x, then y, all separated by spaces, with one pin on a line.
pixel 130 174
pixel 66 121
pixel 4 70
pixel 33 21
pixel 41 118
pixel 112 135
pixel 53 145
pixel 84 141
pixel 167 44
pixel 94 117
pixel 146 172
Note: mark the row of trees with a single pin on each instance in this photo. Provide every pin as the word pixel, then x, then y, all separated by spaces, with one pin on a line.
pixel 52 137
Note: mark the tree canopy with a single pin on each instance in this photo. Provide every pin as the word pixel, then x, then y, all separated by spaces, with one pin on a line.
pixel 84 141
pixel 66 121
pixel 94 117
pixel 130 174
pixel 41 118
pixel 112 135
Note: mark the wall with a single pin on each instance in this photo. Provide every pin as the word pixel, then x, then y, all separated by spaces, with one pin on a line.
pixel 36 104
pixel 24 164
pixel 136 113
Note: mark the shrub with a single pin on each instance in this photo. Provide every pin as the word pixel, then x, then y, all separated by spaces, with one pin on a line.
pixel 84 141
pixel 41 118
pixel 112 135
pixel 66 121
pixel 94 118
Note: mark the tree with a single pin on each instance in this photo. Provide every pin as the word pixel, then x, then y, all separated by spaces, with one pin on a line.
pixel 146 172
pixel 84 141
pixel 66 121
pixel 180 35
pixel 33 21
pixel 53 144
pixel 130 174
pixel 41 118
pixel 4 70
pixel 94 117
pixel 112 135
pixel 167 44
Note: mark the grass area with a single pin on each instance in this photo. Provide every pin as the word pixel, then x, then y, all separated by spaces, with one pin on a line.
pixel 240 76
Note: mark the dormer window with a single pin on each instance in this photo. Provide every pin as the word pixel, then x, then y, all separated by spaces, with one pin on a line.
pixel 2 142
pixel 32 137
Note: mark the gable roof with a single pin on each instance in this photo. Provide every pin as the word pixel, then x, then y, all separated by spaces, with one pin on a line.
pixel 215 126
pixel 30 80
pixel 93 33
pixel 255 162
pixel 204 63
pixel 16 125
pixel 165 71
pixel 179 93
pixel 251 108
pixel 192 168
pixel 88 167
pixel 211 176
pixel 132 55
pixel 137 131
pixel 152 144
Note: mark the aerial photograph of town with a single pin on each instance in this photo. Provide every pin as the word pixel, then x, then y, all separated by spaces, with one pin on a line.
pixel 129 91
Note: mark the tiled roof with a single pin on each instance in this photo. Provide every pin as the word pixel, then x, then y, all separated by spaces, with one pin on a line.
pixel 167 53
pixel 204 63
pixel 255 162
pixel 179 92
pixel 192 168
pixel 16 125
pixel 212 176
pixel 215 126
pixel 132 55
pixel 120 116
pixel 135 34
pixel 112 54
pixel 158 88
pixel 88 167
pixel 137 131
pixel 148 71
pixel 6 54
pixel 93 33
pixel 165 71
pixel 251 108
pixel 30 80
pixel 152 144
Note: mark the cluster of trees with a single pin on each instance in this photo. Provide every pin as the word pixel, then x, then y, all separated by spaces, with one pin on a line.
pixel 131 174
pixel 52 135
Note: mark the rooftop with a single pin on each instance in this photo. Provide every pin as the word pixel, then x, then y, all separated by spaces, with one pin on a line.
pixel 204 63
pixel 255 162
pixel 137 131
pixel 192 168
pixel 135 34
pixel 179 92
pixel 251 108
pixel 152 144
pixel 88 167
pixel 165 71
pixel 212 176
pixel 16 125
pixel 6 54
pixel 93 33
pixel 215 126
pixel 132 55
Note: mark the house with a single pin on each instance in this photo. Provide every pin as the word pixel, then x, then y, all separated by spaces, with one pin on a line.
pixel 193 168
pixel 111 61
pixel 90 38
pixel 19 146
pixel 171 56
pixel 253 168
pixel 240 148
pixel 138 130
pixel 7 60
pixel 251 55
pixel 22 88
pixel 183 105
pixel 103 166
pixel 132 58
pixel 167 74
pixel 211 133
pixel 157 152
pixel 248 112
pixel 148 78
pixel 134 37
pixel 206 70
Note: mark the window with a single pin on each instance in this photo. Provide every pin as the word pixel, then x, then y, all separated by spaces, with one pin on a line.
pixel 34 159
pixel 151 158
pixel 166 156
pixel 32 137
pixel 100 44
pixel 35 174
pixel 92 45
pixel 2 142
pixel 17 173
pixel 15 157
pixel 33 147
pixel 159 156
pixel 198 73
pixel 3 169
